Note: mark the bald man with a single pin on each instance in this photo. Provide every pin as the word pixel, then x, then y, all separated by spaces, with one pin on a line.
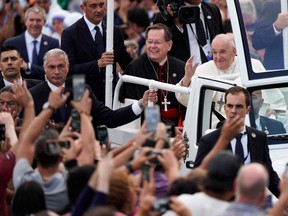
pixel 224 62
pixel 251 183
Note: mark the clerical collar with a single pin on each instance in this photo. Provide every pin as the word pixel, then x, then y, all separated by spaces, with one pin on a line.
pixel 230 69
pixel 158 64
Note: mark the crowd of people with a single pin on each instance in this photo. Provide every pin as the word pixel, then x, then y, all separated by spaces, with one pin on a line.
pixel 50 167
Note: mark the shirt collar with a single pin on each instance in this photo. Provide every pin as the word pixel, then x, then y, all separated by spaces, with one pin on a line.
pixel 52 86
pixel 91 25
pixel 29 39
pixel 7 83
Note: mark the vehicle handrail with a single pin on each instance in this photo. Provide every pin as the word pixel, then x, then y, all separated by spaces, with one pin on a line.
pixel 152 84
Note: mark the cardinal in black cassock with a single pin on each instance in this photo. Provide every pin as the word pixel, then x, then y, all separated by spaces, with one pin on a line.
pixel 171 71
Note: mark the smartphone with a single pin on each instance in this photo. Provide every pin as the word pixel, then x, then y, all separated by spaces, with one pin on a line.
pixel 76 122
pixel 52 148
pixel 145 172
pixel 153 154
pixel 152 116
pixel 170 128
pixel 78 84
pixel 2 132
pixel 102 135
pixel 160 205
pixel 64 144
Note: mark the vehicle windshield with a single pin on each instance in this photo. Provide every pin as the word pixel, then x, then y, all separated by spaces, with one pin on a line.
pixel 265 32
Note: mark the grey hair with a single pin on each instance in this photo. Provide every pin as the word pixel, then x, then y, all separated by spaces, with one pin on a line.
pixel 55 52
pixel 37 10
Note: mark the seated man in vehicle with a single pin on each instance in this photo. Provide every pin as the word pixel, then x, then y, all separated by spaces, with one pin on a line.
pixel 268 125
pixel 224 62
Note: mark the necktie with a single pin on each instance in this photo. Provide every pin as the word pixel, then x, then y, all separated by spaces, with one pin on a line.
pixel 34 52
pixel 99 41
pixel 200 33
pixel 239 148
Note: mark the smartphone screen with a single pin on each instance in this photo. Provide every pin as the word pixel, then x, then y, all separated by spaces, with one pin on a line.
pixel 64 144
pixel 145 170
pixel 75 123
pixel 52 148
pixel 152 116
pixel 78 82
pixel 102 135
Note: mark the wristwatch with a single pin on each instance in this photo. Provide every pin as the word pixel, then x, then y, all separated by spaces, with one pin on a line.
pixel 48 106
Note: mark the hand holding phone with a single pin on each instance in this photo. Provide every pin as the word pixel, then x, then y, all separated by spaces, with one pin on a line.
pixel 102 135
pixel 145 172
pixel 152 116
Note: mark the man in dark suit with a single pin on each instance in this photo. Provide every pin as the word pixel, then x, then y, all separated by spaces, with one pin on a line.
pixel 10 65
pixel 252 144
pixel 269 126
pixel 32 44
pixel 268 34
pixel 185 39
pixel 56 68
pixel 85 47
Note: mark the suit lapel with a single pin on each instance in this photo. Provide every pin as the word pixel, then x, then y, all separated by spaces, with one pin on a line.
pixel 82 27
pixel 252 143
pixel 24 47
pixel 2 84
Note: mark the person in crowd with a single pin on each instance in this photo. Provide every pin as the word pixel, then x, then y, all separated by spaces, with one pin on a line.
pixel 250 144
pixel 32 44
pixel 10 64
pixel 138 20
pixel 263 123
pixel 194 38
pixel 56 68
pixel 9 104
pixel 250 188
pixel 7 159
pixel 224 62
pixel 9 146
pixel 218 187
pixel 6 21
pixel 156 64
pixel 89 56
pixel 48 172
pixel 251 184
pixel 28 199
pixel 50 7
pixel 268 34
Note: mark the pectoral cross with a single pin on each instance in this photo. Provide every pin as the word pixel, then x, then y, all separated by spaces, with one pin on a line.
pixel 221 103
pixel 166 103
